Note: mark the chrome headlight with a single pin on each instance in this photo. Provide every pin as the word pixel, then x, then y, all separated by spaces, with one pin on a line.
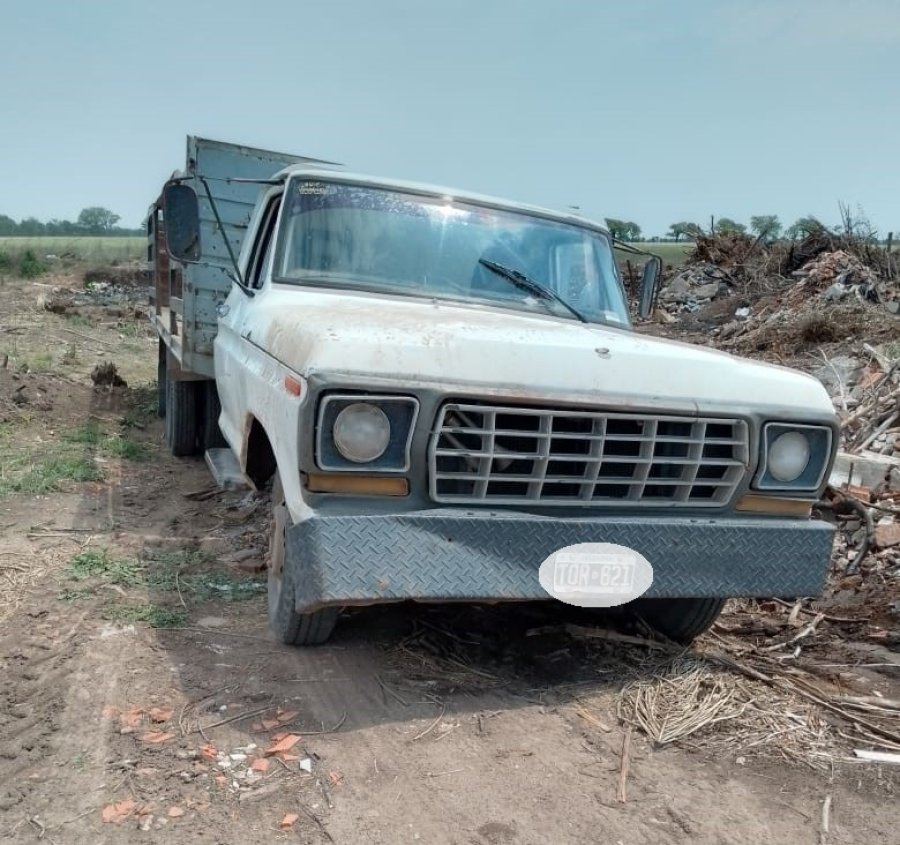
pixel 794 457
pixel 365 433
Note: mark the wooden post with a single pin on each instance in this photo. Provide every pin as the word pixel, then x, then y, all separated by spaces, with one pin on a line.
pixel 890 260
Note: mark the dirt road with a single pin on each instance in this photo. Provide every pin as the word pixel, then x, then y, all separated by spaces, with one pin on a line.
pixel 143 700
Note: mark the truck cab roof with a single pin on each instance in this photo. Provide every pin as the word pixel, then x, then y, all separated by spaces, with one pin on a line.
pixel 335 175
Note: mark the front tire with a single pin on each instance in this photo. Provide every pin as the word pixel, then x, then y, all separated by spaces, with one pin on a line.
pixel 211 435
pixel 289 626
pixel 681 620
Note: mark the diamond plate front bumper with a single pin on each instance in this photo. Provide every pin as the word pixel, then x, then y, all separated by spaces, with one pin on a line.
pixel 453 555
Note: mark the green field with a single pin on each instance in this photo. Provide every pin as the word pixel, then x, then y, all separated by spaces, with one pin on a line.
pixel 79 248
pixel 670 253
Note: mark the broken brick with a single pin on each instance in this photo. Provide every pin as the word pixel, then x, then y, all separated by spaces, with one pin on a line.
pixel 175 812
pixel 118 812
pixel 268 724
pixel 286 743
pixel 156 736
pixel 131 718
pixel 161 714
pixel 289 820
pixel 287 716
pixel 260 764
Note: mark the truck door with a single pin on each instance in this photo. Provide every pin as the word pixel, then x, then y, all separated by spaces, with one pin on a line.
pixel 236 357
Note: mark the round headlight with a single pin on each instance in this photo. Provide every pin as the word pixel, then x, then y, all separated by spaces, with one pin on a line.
pixel 788 456
pixel 361 432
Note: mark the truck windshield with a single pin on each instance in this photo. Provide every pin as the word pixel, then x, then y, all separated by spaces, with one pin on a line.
pixel 355 236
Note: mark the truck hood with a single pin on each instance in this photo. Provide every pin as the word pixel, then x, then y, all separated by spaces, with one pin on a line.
pixel 387 341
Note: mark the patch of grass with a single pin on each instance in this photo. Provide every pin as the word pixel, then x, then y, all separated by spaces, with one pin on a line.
pixel 166 572
pixel 45 475
pixel 98 563
pixel 79 320
pixel 88 434
pixel 152 614
pixel 92 434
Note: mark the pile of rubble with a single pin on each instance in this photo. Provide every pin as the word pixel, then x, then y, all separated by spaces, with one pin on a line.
pixel 695 286
pixel 839 274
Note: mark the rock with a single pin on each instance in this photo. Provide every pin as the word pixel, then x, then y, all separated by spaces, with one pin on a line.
pixel 213 545
pixel 743 313
pixel 842 370
pixel 835 293
pixel 887 536
pixel 708 291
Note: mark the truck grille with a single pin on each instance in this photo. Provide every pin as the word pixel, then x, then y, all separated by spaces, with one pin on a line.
pixel 499 455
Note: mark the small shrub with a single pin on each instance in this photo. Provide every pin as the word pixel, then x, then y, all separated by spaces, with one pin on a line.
pixel 29 266
pixel 5 262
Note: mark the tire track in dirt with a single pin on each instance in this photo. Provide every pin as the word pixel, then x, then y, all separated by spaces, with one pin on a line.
pixel 35 669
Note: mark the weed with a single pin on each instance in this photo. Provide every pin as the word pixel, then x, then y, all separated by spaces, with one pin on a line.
pixel 5 262
pixel 70 356
pixel 79 320
pixel 73 595
pixel 154 615
pixel 130 450
pixel 29 266
pixel 100 564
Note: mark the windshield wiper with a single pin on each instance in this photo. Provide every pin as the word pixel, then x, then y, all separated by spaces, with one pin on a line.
pixel 521 281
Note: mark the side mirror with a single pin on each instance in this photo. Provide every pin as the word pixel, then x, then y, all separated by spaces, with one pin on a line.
pixel 181 213
pixel 649 281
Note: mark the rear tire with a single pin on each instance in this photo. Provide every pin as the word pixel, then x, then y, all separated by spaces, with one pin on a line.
pixel 681 620
pixel 161 381
pixel 289 626
pixel 211 434
pixel 181 417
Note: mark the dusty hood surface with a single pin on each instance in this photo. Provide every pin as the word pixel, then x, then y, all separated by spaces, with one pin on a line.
pixel 375 339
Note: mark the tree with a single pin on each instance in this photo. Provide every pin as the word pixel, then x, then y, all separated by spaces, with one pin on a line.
pixel 97 220
pixel 623 230
pixel 804 227
pixel 683 230
pixel 765 225
pixel 8 226
pixel 727 226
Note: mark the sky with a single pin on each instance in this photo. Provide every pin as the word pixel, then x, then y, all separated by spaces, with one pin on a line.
pixel 647 110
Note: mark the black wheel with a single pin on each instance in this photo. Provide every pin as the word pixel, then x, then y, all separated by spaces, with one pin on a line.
pixel 210 433
pixel 289 626
pixel 680 620
pixel 182 417
pixel 161 381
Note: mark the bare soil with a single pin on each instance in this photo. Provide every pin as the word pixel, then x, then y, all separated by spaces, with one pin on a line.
pixel 140 686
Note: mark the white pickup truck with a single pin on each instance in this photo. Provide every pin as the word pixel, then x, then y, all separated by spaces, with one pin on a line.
pixel 442 389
